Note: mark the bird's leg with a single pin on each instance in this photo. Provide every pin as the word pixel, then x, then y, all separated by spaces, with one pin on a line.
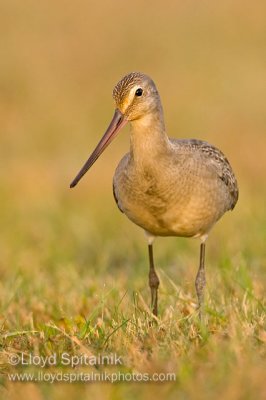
pixel 200 279
pixel 154 283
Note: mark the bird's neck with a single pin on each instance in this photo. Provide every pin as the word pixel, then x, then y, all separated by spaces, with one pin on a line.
pixel 148 138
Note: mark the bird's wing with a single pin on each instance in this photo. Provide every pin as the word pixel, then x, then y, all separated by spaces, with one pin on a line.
pixel 216 160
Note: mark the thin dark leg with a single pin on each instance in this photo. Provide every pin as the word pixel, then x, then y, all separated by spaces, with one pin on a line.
pixel 201 280
pixel 153 282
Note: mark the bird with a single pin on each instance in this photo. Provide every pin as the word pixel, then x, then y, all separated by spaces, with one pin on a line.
pixel 166 186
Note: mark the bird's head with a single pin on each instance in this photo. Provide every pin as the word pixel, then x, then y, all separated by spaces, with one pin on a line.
pixel 135 96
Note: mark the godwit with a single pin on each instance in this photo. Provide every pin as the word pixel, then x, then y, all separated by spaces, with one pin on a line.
pixel 169 187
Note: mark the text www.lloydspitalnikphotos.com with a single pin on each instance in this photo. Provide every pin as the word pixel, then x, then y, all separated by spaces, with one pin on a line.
pixel 50 377
pixel 73 361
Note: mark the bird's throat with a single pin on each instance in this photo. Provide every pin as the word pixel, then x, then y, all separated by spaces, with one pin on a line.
pixel 148 138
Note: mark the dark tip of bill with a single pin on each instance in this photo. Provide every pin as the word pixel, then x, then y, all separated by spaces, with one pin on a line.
pixel 73 184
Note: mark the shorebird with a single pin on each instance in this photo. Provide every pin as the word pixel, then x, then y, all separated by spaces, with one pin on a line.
pixel 168 187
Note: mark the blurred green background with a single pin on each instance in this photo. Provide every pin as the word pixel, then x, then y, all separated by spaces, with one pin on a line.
pixel 59 61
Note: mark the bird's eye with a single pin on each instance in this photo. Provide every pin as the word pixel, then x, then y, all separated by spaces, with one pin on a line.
pixel 139 92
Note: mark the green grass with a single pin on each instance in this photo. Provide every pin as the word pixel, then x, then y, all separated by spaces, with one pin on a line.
pixel 74 271
pixel 81 288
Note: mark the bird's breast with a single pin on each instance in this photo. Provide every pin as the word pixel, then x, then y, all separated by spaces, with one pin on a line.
pixel 168 201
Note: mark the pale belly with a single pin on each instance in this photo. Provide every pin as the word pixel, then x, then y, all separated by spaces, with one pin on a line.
pixel 172 210
pixel 191 220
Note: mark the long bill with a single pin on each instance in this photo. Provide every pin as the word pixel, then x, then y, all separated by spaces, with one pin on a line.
pixel 116 124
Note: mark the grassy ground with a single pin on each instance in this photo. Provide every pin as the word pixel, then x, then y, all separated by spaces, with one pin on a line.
pixel 73 269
